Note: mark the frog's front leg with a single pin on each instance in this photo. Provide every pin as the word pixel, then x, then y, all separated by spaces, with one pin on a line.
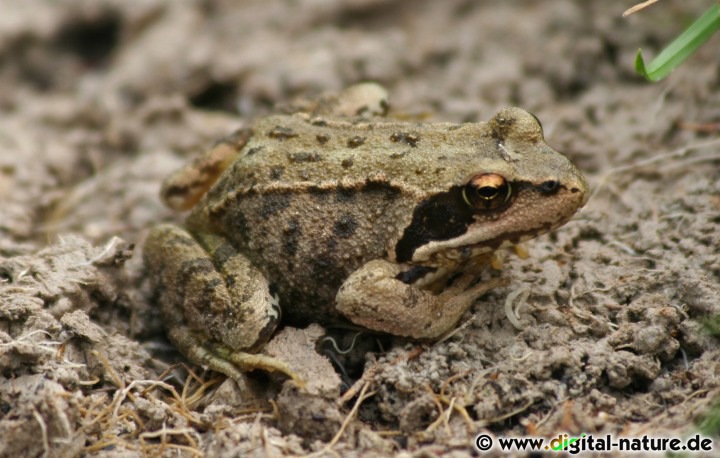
pixel 217 306
pixel 375 298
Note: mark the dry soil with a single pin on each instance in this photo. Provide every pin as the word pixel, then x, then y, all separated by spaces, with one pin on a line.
pixel 100 99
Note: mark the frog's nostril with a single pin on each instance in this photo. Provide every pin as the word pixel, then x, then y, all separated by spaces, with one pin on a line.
pixel 549 187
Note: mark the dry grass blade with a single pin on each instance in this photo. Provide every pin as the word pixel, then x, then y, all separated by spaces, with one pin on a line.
pixel 361 398
pixel 638 7
pixel 163 433
pixel 43 430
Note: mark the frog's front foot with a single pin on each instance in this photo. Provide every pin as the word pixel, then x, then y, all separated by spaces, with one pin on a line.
pixel 375 298
pixel 218 307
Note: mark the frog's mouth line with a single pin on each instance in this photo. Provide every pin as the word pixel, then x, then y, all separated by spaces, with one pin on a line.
pixel 473 250
pixel 424 274
pixel 515 238
pixel 464 253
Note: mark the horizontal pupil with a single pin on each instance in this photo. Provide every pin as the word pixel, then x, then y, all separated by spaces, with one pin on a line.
pixel 487 192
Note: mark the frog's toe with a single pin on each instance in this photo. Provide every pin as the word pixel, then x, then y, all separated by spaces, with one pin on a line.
pixel 223 359
pixel 251 361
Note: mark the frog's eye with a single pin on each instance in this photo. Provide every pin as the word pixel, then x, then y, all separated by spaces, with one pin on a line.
pixel 538 123
pixel 488 191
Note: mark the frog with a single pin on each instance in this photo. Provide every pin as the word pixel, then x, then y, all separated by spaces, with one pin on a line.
pixel 334 212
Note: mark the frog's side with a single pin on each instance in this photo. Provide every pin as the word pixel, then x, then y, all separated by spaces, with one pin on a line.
pixel 388 224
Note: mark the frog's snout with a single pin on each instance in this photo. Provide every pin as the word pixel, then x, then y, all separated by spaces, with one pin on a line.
pixel 580 187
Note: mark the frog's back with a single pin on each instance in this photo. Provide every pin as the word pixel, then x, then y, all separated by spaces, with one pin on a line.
pixel 291 150
pixel 310 201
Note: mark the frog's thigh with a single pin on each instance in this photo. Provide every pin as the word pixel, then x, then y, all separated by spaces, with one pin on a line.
pixel 211 289
pixel 372 297
pixel 213 310
pixel 252 315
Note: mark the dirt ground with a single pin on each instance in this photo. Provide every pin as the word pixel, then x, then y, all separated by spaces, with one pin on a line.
pixel 100 99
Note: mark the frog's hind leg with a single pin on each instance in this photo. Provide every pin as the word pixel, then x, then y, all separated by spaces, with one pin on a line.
pixel 217 306
pixel 184 188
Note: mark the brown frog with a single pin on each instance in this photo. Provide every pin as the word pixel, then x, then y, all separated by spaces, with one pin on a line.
pixel 337 213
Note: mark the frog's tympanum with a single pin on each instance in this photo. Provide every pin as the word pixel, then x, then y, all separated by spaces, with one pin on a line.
pixel 337 214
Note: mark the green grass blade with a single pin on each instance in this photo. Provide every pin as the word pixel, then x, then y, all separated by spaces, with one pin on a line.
pixel 681 48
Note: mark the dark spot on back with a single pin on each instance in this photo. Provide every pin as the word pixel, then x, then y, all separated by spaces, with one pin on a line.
pixel 274 204
pixel 345 226
pixel 254 150
pixel 347 163
pixel 276 172
pixel 322 138
pixel 281 133
pixel 409 138
pixel 398 155
pixel 292 234
pixel 356 141
pixel 304 156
